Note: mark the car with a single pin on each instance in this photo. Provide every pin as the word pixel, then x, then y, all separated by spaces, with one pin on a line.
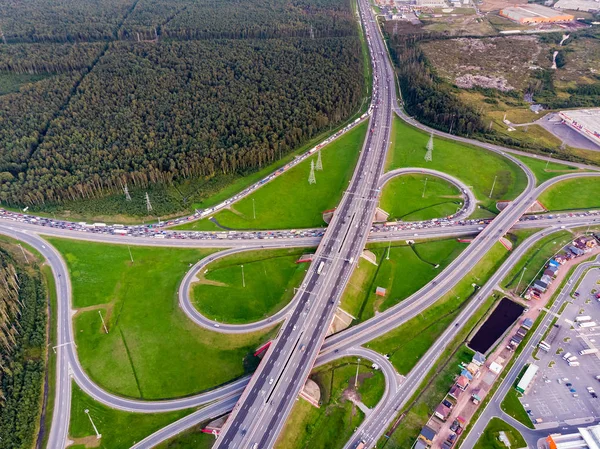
pixel 569 384
pixel 590 389
pixel 573 390
pixel 576 294
pixel 271 381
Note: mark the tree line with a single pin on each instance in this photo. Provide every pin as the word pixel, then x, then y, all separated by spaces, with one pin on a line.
pixel 22 352
pixel 90 20
pixel 164 113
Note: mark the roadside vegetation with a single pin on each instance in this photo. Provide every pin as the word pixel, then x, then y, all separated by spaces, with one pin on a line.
pixel 572 194
pixel 534 260
pixel 406 344
pixel 331 425
pixel 544 170
pixel 419 197
pixel 119 429
pixel 429 396
pixel 23 346
pixel 474 166
pixel 150 341
pixel 289 201
pixel 513 407
pixel 192 438
pixel 489 438
pixel 408 268
pixel 223 293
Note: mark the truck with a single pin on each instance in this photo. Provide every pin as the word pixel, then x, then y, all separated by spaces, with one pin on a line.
pixel 567 355
pixel 120 231
pixel 582 318
pixel 99 225
pixel 572 358
pixel 586 324
pixel 361 445
pixel 321 265
pixel 588 351
pixel 573 363
pixel 351 260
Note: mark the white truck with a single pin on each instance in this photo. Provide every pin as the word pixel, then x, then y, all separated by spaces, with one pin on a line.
pixel 566 356
pixel 588 351
pixel 586 324
pixel 582 318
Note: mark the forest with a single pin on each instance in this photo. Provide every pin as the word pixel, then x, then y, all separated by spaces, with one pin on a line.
pixel 204 89
pixel 22 352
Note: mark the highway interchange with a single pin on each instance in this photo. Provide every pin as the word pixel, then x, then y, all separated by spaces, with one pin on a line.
pixel 266 399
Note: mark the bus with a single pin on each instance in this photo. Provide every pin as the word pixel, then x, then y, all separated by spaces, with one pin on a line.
pixel 321 265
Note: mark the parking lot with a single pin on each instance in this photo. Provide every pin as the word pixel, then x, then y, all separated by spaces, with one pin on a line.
pixel 560 393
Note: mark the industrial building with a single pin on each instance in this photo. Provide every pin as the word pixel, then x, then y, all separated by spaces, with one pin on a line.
pixel 585 121
pixel 431 4
pixel 578 5
pixel 585 438
pixel 533 13
pixel 527 378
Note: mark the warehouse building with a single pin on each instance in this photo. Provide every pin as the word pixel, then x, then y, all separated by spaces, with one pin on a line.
pixel 585 438
pixel 578 5
pixel 533 13
pixel 585 121
pixel 527 378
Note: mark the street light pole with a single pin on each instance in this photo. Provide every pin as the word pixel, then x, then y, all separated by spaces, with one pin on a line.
pixel 130 255
pixel 388 252
pixel 103 323
pixel 424 187
pixel 253 209
pixel 493 185
pixel 520 279
pixel 547 162
pixel 98 436
pixel 243 279
pixel 356 378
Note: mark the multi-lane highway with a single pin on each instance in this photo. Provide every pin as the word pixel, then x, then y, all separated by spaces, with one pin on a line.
pixel 268 397
pixel 263 408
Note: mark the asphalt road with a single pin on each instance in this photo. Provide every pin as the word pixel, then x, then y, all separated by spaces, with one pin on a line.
pixel 493 407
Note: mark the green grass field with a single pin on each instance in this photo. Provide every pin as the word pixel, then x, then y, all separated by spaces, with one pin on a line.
pixel 267 286
pixel 582 193
pixel 407 343
pixel 512 406
pixel 489 438
pixel 544 171
pixel 331 425
pixel 190 439
pixel 290 201
pixel 474 166
pixel 119 430
pixel 534 260
pixel 12 82
pixel 419 197
pixel 429 398
pixel 408 269
pixel 150 340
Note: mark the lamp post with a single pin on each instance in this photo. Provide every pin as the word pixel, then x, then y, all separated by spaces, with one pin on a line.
pixel 356 378
pixel 87 412
pixel 243 279
pixel 520 279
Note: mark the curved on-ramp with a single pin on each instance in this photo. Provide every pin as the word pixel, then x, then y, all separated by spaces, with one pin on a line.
pixel 469 198
pixel 392 384
pixel 193 314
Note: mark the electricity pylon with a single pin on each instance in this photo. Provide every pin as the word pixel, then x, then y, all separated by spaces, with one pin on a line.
pixel 311 177
pixel 126 191
pixel 319 165
pixel 429 154
pixel 148 205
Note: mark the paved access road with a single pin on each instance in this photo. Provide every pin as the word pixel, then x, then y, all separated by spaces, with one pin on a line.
pixel 493 407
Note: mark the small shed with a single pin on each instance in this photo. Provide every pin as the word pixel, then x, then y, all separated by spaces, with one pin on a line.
pixel 427 434
pixel 527 323
pixel 462 382
pixel 380 291
pixel 442 412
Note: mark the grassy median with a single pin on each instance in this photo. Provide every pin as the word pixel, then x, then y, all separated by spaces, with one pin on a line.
pixel 572 194
pixel 419 197
pixel 408 268
pixel 331 425
pixel 489 438
pixel 150 341
pixel 474 166
pixel 289 201
pixel 407 343
pixel 119 430
pixel 267 285
pixel 544 170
